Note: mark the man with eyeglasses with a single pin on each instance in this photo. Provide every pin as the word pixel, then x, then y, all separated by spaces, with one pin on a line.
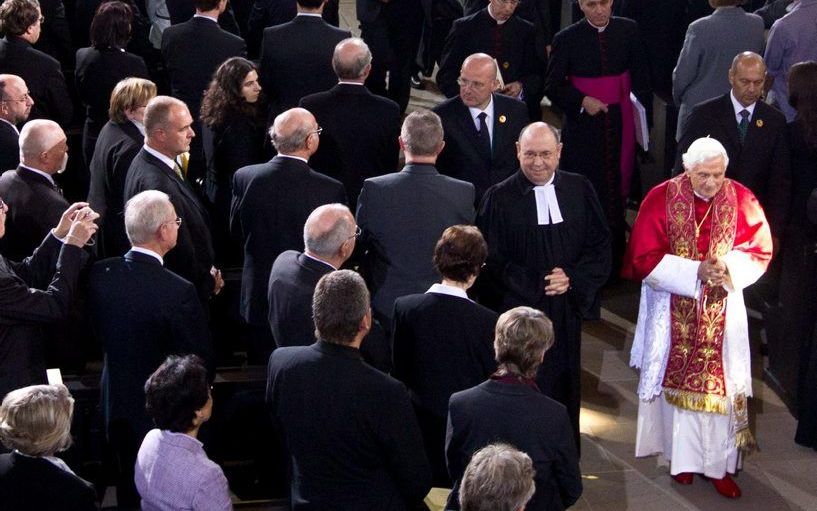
pixel 141 312
pixel 548 248
pixel 21 22
pixel 271 201
pixel 512 41
pixel 36 202
pixel 15 106
pixel 481 127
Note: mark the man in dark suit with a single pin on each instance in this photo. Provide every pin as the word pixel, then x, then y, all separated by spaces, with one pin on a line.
pixel 403 214
pixel 753 134
pixel 142 312
pixel 168 134
pixel 24 311
pixel 481 156
pixel 15 107
pixel 20 21
pixel 360 129
pixel 34 200
pixel 271 202
pixel 296 57
pixel 509 39
pixel 182 10
pixel 349 429
pixel 268 13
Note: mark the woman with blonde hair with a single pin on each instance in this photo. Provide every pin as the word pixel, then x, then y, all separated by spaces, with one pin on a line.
pixel 35 422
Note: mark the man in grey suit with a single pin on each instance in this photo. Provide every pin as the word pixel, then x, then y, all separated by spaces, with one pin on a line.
pixel 403 214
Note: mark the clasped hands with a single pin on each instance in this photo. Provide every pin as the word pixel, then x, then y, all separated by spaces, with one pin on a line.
pixel 713 272
pixel 557 282
pixel 76 226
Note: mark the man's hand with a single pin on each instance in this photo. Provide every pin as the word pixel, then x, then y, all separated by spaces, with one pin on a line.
pixel 557 282
pixel 513 89
pixel 593 106
pixel 219 282
pixel 61 230
pixel 82 228
pixel 713 272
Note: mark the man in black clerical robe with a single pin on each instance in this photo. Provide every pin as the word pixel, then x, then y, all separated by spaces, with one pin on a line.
pixel 548 248
pixel 594 66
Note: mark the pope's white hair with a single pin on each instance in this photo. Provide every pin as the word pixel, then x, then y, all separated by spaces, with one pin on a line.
pixel 704 150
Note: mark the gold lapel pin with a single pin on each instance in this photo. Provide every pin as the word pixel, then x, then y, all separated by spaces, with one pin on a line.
pixel 502 119
pixel 506 65
pixel 759 123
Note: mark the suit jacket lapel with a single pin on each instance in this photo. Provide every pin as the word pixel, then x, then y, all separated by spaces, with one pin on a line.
pixel 468 126
pixel 182 185
pixel 729 122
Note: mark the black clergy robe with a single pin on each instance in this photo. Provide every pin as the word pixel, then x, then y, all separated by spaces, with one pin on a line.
pixel 592 144
pixel 521 253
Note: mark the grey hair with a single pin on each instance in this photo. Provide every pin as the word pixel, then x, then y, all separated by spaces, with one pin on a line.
pixel 704 150
pixel 521 337
pixel 36 420
pixel 498 478
pixel 351 68
pixel 339 304
pixel 327 243
pixel 38 136
pixel 145 213
pixel 290 142
pixel 422 133
pixel 158 110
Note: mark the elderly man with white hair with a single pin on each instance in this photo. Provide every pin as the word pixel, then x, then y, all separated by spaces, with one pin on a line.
pixel 698 241
pixel 35 201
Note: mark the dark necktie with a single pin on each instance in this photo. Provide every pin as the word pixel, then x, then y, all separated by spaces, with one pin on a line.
pixel 743 125
pixel 484 135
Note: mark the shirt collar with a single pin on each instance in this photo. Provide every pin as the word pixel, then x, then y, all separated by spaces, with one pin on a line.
pixel 319 260
pixel 489 110
pixel 10 124
pixel 491 14
pixel 738 107
pixel 40 172
pixel 598 29
pixel 149 252
pixel 525 184
pixel 344 82
pixel 311 14
pixel 214 20
pixel 170 162
pixel 293 157
pixel 443 289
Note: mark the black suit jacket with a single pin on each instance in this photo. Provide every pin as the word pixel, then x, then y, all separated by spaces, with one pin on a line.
pixel 42 75
pixel 296 60
pixel 116 147
pixel 142 312
pixel 9 147
pixel 268 13
pixel 33 293
pixel 532 422
pixel 192 52
pixel 359 138
pixel 402 216
pixel 349 429
pixel 183 10
pixel 270 205
pixel 36 483
pixel 461 157
pixel 761 163
pixel 192 257
pixel 35 207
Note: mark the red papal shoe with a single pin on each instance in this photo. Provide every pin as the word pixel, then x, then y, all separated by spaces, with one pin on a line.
pixel 684 477
pixel 727 487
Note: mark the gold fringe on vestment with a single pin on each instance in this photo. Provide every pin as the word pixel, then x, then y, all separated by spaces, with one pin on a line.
pixel 696 401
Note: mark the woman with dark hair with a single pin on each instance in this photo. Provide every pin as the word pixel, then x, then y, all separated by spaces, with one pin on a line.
pixel 172 469
pixel 799 276
pixel 233 137
pixel 35 422
pixel 442 339
pixel 104 64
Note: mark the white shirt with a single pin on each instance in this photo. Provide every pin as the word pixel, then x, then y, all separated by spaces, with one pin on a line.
pixel 10 124
pixel 314 15
pixel 349 83
pixel 738 107
pixel 148 252
pixel 170 162
pixel 319 260
pixel 293 157
pixel 215 20
pixel 547 205
pixel 442 289
pixel 489 117
pixel 40 172
pixel 491 14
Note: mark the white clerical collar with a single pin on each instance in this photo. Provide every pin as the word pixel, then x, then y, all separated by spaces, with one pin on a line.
pixel 547 205
pixel 701 196
pixel 149 252
pixel 12 125
pixel 489 116
pixel 40 172
pixel 738 107
pixel 344 82
pixel 139 126
pixel 170 162
pixel 319 260
pixel 293 157
pixel 600 29
pixel 211 18
pixel 442 289
pixel 491 14
pixel 314 15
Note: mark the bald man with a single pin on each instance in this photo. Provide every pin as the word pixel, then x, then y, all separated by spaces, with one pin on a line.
pixel 33 197
pixel 759 152
pixel 15 107
pixel 271 202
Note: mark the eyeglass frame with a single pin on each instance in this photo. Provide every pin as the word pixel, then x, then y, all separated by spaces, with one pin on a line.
pixel 177 221
pixel 356 234
pixel 24 99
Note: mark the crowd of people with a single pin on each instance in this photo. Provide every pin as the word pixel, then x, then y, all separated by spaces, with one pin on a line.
pixel 421 325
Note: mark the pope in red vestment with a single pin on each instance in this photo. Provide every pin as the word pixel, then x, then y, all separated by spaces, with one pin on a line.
pixel 698 240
